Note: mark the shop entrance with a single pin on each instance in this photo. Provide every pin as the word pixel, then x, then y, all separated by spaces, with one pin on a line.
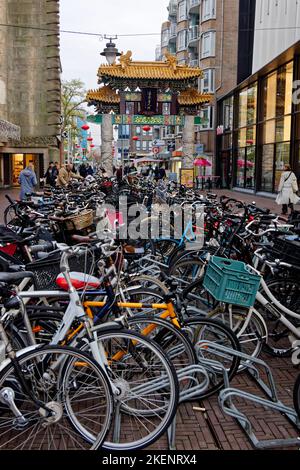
pixel 19 162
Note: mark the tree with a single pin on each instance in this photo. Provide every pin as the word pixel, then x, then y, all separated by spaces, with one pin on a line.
pixel 73 98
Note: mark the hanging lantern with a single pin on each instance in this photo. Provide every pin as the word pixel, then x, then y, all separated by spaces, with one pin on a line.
pixel 146 128
pixel 77 146
pixel 85 127
pixel 90 139
pixel 135 138
pixel 92 146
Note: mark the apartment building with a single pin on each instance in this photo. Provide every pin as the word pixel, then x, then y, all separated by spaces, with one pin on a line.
pixel 205 33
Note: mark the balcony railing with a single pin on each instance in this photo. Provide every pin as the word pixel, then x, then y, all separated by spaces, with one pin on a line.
pixel 194 62
pixel 173 31
pixel 193 33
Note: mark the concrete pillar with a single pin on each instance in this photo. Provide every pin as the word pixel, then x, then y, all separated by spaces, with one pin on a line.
pixel 3 61
pixel 188 142
pixel 107 141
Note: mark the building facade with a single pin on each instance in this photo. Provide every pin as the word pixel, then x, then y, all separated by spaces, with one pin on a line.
pixel 205 34
pixel 259 126
pixel 29 85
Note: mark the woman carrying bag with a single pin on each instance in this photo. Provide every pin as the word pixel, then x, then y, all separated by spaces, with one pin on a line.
pixel 288 188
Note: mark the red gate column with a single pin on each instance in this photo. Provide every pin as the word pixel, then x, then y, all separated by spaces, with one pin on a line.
pixel 107 142
pixel 188 142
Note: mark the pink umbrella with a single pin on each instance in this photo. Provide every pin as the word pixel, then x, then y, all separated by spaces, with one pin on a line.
pixel 241 164
pixel 202 162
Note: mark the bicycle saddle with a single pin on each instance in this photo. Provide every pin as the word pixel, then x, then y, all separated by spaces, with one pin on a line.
pixel 10 278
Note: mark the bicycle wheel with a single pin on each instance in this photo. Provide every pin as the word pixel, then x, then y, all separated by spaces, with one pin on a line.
pixel 148 282
pixel 296 396
pixel 148 385
pixel 251 333
pixel 215 332
pixel 186 271
pixel 286 291
pixel 171 339
pixel 67 403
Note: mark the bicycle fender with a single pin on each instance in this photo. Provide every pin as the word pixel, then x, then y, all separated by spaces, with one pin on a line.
pixel 19 354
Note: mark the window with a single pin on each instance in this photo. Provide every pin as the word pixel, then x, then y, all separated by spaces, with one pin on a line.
pixel 144 144
pixel 182 40
pixel 208 44
pixel 138 130
pixel 138 145
pixel 207 116
pixel 208 9
pixel 130 107
pixel 166 109
pixel 267 168
pixel 182 11
pixel 165 38
pixel 208 81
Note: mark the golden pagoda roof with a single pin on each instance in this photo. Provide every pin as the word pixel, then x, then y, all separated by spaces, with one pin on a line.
pixel 192 97
pixel 167 70
pixel 104 94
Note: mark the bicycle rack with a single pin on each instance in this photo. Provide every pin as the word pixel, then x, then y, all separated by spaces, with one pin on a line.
pixel 271 401
pixel 186 373
pixel 194 391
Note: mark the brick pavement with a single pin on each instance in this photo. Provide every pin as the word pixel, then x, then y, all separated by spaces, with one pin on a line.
pixel 194 432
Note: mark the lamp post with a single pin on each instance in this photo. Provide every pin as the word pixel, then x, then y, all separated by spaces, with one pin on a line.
pixel 110 52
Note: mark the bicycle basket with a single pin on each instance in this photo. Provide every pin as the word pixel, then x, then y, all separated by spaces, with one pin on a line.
pixel 45 271
pixel 80 221
pixel 231 282
pixel 286 249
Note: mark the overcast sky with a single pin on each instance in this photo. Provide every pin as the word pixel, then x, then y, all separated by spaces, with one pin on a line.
pixel 80 54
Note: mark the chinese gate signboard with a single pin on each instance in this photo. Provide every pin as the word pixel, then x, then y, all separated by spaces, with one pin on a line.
pixel 137 120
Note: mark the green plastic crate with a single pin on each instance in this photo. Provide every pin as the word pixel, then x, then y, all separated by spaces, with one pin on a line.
pixel 232 282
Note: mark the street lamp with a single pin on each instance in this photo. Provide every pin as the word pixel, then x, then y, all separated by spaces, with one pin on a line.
pixel 110 52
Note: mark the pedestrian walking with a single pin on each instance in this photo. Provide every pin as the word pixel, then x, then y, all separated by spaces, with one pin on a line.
pixel 90 170
pixel 83 170
pixel 65 175
pixel 288 188
pixel 27 180
pixel 48 174
pixel 55 171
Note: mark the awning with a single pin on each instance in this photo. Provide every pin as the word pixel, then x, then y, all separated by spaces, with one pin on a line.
pixel 146 160
pixel 178 152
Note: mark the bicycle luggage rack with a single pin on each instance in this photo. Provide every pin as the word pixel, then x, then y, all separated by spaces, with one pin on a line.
pixel 272 401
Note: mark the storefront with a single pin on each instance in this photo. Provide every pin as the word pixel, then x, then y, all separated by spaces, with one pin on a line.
pixel 11 165
pixel 259 127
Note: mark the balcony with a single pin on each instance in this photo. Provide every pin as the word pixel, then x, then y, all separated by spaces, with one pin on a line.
pixel 194 6
pixel 172 9
pixel 193 36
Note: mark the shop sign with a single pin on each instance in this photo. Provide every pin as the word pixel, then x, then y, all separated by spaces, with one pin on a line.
pixel 187 177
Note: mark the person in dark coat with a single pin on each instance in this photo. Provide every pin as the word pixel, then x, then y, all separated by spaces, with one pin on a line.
pixel 48 175
pixel 90 170
pixel 83 170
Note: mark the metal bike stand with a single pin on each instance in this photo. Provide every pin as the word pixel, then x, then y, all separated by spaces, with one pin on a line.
pixel 272 401
pixel 156 385
pixel 188 373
